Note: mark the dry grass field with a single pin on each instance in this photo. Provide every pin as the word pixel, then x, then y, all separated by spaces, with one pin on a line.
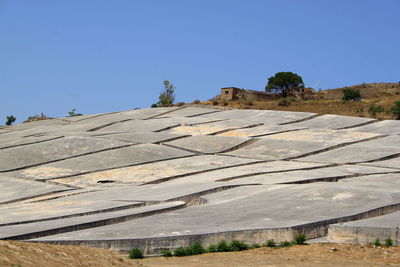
pixel 23 254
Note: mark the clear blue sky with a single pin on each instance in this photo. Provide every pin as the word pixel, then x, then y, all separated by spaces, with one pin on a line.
pixel 109 55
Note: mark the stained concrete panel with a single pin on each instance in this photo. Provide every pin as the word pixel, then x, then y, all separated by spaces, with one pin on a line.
pixel 13 189
pixel 367 230
pixel 381 127
pixel 329 121
pixel 157 171
pixel 126 156
pixel 261 116
pixel 361 152
pixel 209 144
pixel 247 208
pixel 30 155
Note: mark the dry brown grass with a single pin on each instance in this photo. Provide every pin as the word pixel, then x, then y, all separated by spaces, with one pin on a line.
pixel 37 255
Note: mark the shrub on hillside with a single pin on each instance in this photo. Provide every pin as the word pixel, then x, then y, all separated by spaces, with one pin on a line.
pixel 350 94
pixel 284 102
pixel 375 109
pixel 396 110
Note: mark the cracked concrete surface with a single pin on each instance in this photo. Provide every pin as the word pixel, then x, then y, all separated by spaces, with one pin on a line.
pixel 167 177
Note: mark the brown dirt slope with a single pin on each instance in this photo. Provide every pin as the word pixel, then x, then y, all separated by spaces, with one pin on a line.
pixel 36 254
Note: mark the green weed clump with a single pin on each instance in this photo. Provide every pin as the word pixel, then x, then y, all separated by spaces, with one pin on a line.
pixel 212 248
pixel 136 253
pixel 270 243
pixel 300 239
pixel 388 242
pixel 377 243
pixel 180 252
pixel 236 245
pixel 195 249
pixel 222 246
pixel 166 253
pixel 286 244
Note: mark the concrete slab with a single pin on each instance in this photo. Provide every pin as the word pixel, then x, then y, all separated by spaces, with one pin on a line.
pixel 243 171
pixel 116 158
pixel 190 112
pixel 30 155
pixel 261 116
pixel 225 196
pixel 143 137
pixel 242 212
pixel 361 152
pixel 36 124
pixel 388 181
pixel 14 189
pixel 297 144
pixel 322 174
pixel 389 163
pixel 71 206
pixel 211 128
pixel 153 125
pixel 329 121
pixel 98 122
pixel 209 144
pixel 57 226
pixel 13 142
pixel 382 127
pixel 157 171
pixel 266 129
pixel 367 230
pixel 82 117
pixel 155 193
pixel 148 113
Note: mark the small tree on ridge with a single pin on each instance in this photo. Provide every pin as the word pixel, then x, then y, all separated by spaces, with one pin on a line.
pixel 10 120
pixel 167 97
pixel 284 83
